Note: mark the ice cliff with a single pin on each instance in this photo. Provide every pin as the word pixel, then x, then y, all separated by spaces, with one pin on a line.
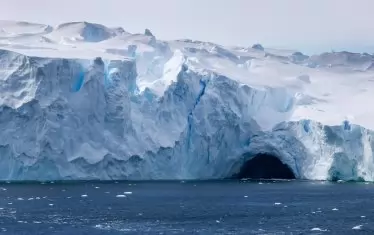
pixel 107 104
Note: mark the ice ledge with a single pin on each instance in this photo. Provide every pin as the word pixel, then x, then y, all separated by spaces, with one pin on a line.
pixel 315 151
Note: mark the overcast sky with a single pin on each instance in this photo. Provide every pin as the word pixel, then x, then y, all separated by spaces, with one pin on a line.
pixel 307 25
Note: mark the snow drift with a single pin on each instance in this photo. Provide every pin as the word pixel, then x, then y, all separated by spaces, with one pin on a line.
pixel 115 105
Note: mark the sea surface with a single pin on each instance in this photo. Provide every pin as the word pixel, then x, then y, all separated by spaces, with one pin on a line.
pixel 187 207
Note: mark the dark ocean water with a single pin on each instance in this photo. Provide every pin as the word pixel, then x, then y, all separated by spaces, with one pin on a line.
pixel 208 207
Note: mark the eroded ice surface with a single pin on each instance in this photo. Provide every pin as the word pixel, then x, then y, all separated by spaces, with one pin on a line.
pixel 84 101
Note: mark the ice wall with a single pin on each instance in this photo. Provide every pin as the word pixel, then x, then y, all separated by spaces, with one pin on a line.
pixel 82 119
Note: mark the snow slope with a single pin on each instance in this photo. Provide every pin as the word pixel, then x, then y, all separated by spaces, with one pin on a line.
pixel 84 101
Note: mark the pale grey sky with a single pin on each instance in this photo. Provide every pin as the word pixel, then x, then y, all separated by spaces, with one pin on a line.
pixel 307 25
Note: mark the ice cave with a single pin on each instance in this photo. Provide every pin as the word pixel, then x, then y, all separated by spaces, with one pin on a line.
pixel 265 166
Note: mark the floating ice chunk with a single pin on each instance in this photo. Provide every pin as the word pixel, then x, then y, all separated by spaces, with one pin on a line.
pixel 217 221
pixel 97 187
pixel 30 199
pixel 120 195
pixel 277 203
pixel 37 198
pixel 319 229
pixel 50 204
pixel 37 222
pixel 10 203
pixel 84 195
pixel 358 227
pixel 20 199
pixel 245 196
pixel 335 209
pixel 362 216
pixel 260 183
pixel 127 193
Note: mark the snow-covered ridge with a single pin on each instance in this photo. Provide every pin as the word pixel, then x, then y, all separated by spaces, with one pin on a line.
pixel 85 101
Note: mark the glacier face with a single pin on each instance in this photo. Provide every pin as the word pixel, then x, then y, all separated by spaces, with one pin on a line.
pixel 150 109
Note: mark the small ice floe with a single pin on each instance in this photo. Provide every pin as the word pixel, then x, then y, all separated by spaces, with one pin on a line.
pixel 120 195
pixel 1 208
pixel 277 203
pixel 30 199
pixel 107 192
pixel 335 209
pixel 285 206
pixel 362 216
pixel 50 204
pixel 45 197
pixel 358 227
pixel 127 193
pixel 245 196
pixel 10 203
pixel 37 222
pixel 37 198
pixel 319 229
pixel 63 190
pixel 3 189
pixel 260 183
pixel 97 187
pixel 217 221
pixel 340 181
pixel 84 195
pixel 20 199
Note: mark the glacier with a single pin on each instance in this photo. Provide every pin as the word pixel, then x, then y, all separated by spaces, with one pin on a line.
pixel 84 101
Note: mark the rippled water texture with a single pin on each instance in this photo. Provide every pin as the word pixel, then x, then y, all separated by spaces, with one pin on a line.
pixel 207 207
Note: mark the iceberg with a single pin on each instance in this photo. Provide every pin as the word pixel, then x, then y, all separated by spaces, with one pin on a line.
pixel 115 105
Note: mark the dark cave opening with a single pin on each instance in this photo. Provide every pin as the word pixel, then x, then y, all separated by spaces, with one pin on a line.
pixel 265 166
